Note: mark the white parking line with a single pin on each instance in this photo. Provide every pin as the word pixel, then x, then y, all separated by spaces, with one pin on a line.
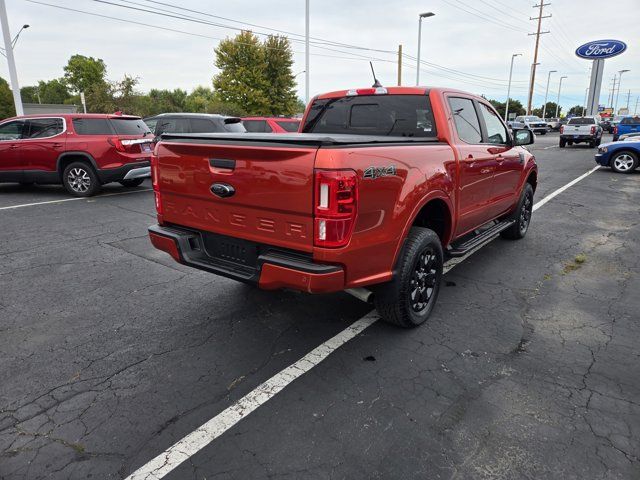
pixel 188 446
pixel 11 207
pixel 552 146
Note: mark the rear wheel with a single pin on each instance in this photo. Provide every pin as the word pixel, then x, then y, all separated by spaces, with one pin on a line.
pixel 521 215
pixel 80 179
pixel 569 143
pixel 133 182
pixel 624 162
pixel 408 300
pixel 563 143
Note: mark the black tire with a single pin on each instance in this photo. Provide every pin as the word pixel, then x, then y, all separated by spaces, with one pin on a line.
pixel 592 144
pixel 598 142
pixel 27 184
pixel 569 142
pixel 134 182
pixel 402 301
pixel 615 138
pixel 624 161
pixel 543 133
pixel 521 215
pixel 563 143
pixel 81 180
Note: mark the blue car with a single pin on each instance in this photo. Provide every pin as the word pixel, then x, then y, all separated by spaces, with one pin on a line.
pixel 630 124
pixel 621 156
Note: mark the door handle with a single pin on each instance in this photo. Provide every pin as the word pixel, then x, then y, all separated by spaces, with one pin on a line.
pixel 13 147
pixel 500 159
pixel 57 145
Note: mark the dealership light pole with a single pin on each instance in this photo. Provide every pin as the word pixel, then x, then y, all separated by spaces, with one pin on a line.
pixel 586 95
pixel 420 17
pixel 558 102
pixel 306 53
pixel 546 94
pixel 13 74
pixel 506 107
pixel 620 72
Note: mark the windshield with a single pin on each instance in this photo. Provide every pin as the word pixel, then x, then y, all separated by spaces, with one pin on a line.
pixel 582 121
pixel 386 115
pixel 532 119
pixel 129 126
pixel 630 121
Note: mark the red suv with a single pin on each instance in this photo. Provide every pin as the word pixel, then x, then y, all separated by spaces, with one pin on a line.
pixel 271 124
pixel 81 151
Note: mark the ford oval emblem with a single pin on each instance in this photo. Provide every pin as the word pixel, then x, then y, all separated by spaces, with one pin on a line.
pixel 601 49
pixel 222 190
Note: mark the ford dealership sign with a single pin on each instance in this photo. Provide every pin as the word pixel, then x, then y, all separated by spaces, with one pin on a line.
pixel 601 49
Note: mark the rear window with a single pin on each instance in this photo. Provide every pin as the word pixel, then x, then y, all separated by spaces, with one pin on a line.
pixel 129 126
pixel 203 125
pixel 257 126
pixel 582 121
pixel 386 115
pixel 92 126
pixel 630 121
pixel 289 126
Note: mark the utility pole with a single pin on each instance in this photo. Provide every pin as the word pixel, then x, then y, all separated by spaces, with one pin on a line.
pixel 535 52
pixel 620 72
pixel 635 110
pixel 399 65
pixel 8 48
pixel 306 53
pixel 584 109
pixel 628 98
pixel 546 93
pixel 506 107
pixel 612 91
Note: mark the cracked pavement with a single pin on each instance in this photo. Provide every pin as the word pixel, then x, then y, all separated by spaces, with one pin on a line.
pixel 110 352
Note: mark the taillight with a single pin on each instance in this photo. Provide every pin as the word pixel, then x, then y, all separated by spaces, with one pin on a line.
pixel 561 129
pixel 615 130
pixel 117 143
pixel 156 188
pixel 367 91
pixel 593 130
pixel 336 207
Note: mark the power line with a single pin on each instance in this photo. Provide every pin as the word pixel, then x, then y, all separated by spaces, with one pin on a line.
pixel 482 15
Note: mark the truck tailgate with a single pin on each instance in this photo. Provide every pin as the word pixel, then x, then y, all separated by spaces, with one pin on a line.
pixel 257 192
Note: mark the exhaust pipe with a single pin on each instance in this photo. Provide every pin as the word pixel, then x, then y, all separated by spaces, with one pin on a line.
pixel 362 294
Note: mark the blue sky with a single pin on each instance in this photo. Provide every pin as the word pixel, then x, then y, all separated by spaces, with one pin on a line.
pixel 478 42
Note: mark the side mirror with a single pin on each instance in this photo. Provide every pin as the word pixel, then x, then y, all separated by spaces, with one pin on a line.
pixel 523 137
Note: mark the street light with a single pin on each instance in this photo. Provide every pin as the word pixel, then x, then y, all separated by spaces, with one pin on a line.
pixel 13 74
pixel 506 108
pixel 620 72
pixel 420 17
pixel 15 39
pixel 546 93
pixel 558 102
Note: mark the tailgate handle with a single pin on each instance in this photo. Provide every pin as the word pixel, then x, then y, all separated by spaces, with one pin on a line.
pixel 227 163
pixel 222 190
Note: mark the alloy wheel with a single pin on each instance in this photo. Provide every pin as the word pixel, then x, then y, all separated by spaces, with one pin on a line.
pixel 525 214
pixel 423 280
pixel 623 162
pixel 79 180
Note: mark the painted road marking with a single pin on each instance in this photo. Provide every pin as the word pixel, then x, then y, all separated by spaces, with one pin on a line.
pixel 188 446
pixel 74 198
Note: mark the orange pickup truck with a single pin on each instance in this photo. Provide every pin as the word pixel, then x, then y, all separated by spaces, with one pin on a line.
pixel 381 186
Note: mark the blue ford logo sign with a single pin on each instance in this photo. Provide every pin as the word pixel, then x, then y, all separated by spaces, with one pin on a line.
pixel 601 49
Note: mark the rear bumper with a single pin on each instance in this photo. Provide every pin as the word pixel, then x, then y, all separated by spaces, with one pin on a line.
pixel 579 138
pixel 274 269
pixel 143 172
pixel 108 175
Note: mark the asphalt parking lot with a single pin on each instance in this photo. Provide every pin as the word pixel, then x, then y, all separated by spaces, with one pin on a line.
pixel 110 352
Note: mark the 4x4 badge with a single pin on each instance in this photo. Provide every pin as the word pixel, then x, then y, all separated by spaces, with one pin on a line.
pixel 377 172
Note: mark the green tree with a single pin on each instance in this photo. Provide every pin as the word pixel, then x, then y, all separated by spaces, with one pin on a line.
pixel 242 79
pixel 280 81
pixel 52 91
pixel 551 110
pixel 199 99
pixel 81 73
pixel 7 108
pixel 576 110
pixel 167 100
pixel 515 107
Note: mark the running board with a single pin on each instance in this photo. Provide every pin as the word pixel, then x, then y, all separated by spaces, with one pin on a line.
pixel 478 240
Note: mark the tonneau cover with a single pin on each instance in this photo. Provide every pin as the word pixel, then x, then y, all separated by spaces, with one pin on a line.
pixel 293 139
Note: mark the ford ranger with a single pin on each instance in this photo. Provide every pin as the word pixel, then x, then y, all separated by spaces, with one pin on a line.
pixel 381 186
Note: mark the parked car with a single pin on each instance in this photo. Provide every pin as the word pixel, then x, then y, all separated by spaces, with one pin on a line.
pixel 193 123
pixel 605 123
pixel 614 123
pixel 383 184
pixel 622 157
pixel 630 124
pixel 533 123
pixel 629 136
pixel 554 124
pixel 81 151
pixel 581 130
pixel 271 124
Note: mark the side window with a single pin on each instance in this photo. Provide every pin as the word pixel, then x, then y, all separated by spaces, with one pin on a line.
pixel 11 130
pixel 466 120
pixel 92 126
pixel 267 128
pixel 43 127
pixel 496 133
pixel 202 125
